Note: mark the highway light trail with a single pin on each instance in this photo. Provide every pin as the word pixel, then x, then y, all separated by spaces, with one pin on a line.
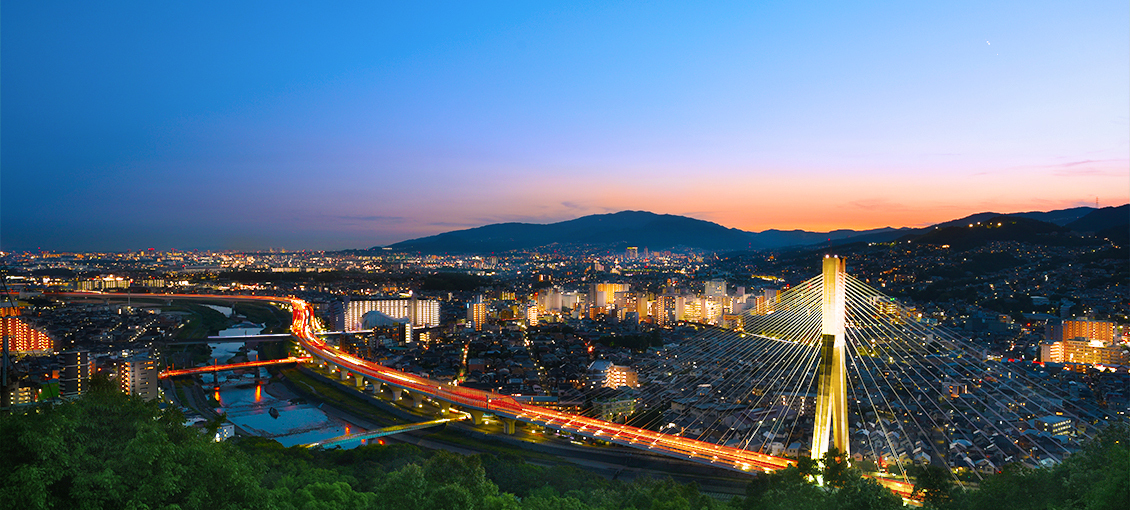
pixel 231 366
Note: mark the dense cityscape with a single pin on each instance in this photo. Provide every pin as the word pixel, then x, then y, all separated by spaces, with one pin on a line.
pixel 622 335
pixel 565 256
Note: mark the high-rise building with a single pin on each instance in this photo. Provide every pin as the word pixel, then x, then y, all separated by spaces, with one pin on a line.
pixel 1102 331
pixel 1090 352
pixel 604 294
pixel 571 300
pixel 23 339
pixel 633 253
pixel 687 309
pixel 477 313
pixel 715 288
pixel 549 299
pixel 664 310
pixel 642 305
pixel 421 313
pixel 713 308
pixel 532 315
pixel 757 305
pixel 77 367
pixel 605 374
pixel 137 375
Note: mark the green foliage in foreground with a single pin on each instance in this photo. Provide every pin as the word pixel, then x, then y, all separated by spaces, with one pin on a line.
pixel 108 450
pixel 845 489
pixel 1096 478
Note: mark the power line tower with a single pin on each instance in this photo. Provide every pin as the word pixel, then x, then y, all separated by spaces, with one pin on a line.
pixel 831 376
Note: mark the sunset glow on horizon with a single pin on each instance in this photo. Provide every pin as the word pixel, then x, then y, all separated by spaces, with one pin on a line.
pixel 318 127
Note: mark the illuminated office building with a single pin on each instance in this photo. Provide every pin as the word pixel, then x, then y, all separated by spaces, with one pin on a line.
pixel 420 313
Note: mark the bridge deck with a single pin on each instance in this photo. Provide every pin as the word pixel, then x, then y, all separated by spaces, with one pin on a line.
pixel 230 366
pixel 387 431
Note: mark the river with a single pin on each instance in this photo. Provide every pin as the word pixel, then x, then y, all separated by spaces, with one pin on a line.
pixel 248 406
pixel 248 402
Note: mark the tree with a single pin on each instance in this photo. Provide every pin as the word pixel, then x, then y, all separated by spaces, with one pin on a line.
pixel 331 496
pixel 452 497
pixel 110 450
pixel 837 473
pixel 858 493
pixel 785 489
pixel 933 484
pixel 808 466
pixel 404 488
pixel 665 494
pixel 466 472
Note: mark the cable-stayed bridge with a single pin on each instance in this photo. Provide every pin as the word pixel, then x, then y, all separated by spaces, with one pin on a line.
pixel 834 363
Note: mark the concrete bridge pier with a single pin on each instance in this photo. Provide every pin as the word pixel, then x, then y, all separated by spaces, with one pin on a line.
pixel 508 426
pixel 360 382
pixel 444 407
pixel 476 416
pixel 396 393
pixel 344 374
pixel 417 400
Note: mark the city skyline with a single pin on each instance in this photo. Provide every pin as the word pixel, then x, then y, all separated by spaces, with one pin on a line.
pixel 327 128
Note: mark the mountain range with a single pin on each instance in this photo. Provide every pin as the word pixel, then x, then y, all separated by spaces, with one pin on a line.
pixel 667 231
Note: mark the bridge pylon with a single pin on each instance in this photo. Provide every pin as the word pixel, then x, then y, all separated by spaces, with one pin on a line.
pixel 831 424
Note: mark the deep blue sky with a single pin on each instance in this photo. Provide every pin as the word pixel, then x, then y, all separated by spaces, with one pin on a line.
pixel 292 125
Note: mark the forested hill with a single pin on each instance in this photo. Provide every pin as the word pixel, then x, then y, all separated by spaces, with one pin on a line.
pixel 628 228
pixel 666 231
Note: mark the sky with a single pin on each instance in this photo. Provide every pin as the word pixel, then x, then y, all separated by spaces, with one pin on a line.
pixel 332 125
